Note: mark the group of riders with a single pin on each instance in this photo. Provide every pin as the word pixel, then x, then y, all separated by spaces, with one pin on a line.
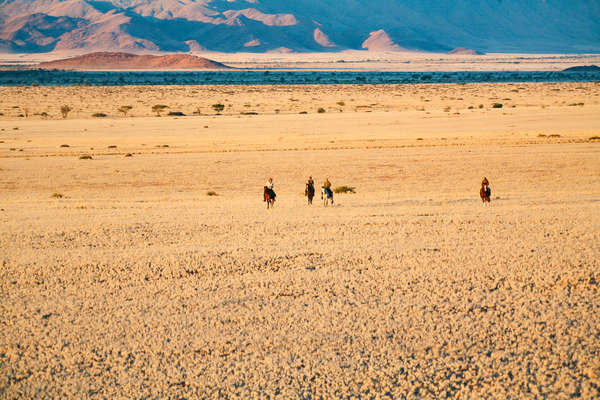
pixel 269 194
pixel 309 191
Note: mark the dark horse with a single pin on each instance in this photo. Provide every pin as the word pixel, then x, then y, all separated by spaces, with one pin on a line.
pixel 269 197
pixel 309 192
pixel 485 193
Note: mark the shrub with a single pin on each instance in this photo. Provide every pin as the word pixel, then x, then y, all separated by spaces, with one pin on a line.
pixel 112 146
pixel 44 114
pixel 124 110
pixel 128 155
pixel 554 135
pixel 341 103
pixel 320 110
pixel 176 114
pixel 99 115
pixel 303 112
pixel 211 193
pixel 57 195
pixel 158 108
pixel 497 105
pixel 218 107
pixel 595 138
pixel 481 106
pixel 576 104
pixel 541 135
pixel 65 110
pixel 64 145
pixel 344 189
pixel 85 157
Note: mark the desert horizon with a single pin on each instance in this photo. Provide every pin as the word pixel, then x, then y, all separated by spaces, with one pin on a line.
pixel 351 60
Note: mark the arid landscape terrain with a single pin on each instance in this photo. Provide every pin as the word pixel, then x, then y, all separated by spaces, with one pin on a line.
pixel 139 260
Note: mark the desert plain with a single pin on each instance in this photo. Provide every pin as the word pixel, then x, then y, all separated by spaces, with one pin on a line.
pixel 122 277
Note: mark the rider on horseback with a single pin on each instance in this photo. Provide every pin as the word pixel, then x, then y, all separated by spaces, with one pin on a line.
pixel 269 189
pixel 310 185
pixel 327 188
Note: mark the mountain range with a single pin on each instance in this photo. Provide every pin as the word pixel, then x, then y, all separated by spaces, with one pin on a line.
pixel 519 26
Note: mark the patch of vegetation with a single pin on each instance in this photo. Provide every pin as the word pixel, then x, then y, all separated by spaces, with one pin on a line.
pixel 176 114
pixel 85 157
pixel 124 110
pixel 344 189
pixel 211 193
pixel 320 110
pixel 554 136
pixel 480 106
pixel 218 107
pixel 158 108
pixel 576 105
pixel 112 146
pixel 99 115
pixel 57 195
pixel 303 112
pixel 128 155
pixel 64 145
pixel 341 103
pixel 65 110
pixel 541 135
pixel 419 138
pixel 249 113
pixel 594 138
pixel 497 105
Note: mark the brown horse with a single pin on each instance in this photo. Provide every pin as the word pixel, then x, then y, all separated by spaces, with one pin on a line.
pixel 269 198
pixel 485 193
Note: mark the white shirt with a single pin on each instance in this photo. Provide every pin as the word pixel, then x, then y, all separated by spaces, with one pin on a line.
pixel 269 185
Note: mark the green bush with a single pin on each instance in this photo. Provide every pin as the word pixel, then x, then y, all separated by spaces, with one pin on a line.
pixel 344 189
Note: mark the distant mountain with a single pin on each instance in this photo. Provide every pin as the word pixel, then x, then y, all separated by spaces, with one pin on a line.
pixel 300 25
pixel 126 61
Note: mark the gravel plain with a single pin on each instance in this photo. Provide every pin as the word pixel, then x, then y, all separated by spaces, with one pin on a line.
pixel 121 278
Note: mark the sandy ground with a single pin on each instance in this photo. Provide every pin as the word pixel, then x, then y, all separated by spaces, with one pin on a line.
pixel 121 278
pixel 356 60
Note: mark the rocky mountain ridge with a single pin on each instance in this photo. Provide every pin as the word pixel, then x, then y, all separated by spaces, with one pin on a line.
pixel 536 26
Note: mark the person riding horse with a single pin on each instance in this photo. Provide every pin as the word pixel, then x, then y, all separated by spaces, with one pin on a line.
pixel 485 192
pixel 269 189
pixel 327 189
pixel 310 189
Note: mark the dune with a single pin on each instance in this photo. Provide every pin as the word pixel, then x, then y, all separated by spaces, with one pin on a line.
pixel 380 41
pixel 127 61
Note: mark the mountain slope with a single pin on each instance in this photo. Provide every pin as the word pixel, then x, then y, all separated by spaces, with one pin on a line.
pixel 301 25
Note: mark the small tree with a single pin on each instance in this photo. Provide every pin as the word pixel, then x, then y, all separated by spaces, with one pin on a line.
pixel 218 107
pixel 158 108
pixel 64 110
pixel 124 110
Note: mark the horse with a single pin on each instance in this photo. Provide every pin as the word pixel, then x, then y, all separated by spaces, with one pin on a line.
pixel 309 192
pixel 269 198
pixel 326 195
pixel 485 193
